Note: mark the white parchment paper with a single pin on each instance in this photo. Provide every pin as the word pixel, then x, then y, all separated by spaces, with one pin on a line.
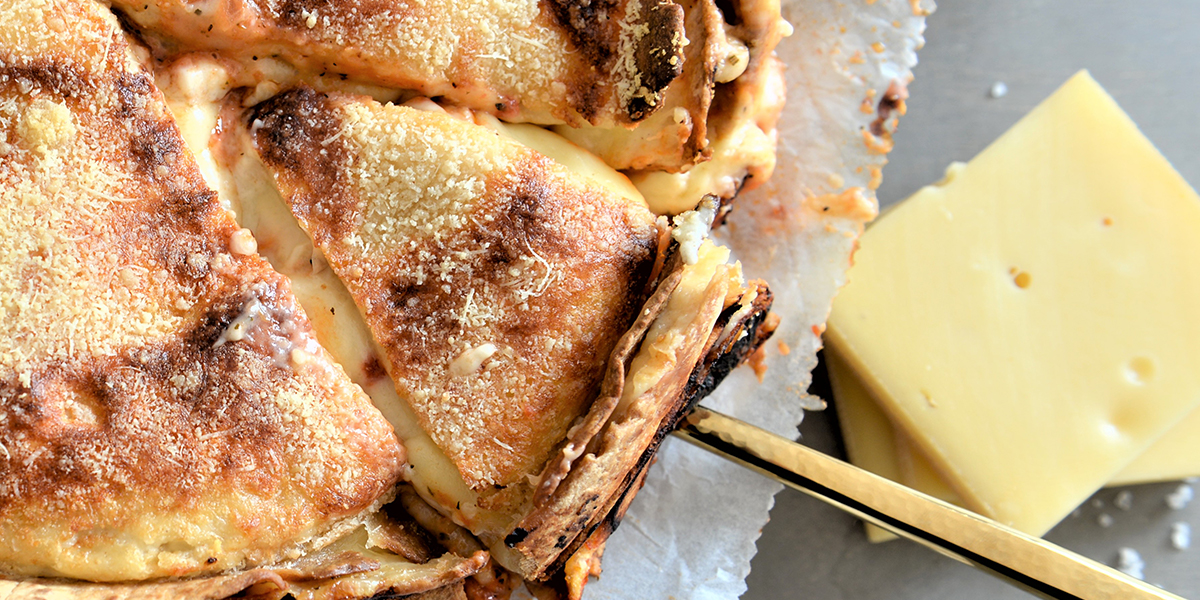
pixel 691 531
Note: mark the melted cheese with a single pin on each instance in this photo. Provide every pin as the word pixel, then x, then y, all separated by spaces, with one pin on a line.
pixel 564 152
pixel 733 155
pixel 657 356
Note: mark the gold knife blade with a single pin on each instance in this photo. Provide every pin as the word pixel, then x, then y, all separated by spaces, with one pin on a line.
pixel 1023 560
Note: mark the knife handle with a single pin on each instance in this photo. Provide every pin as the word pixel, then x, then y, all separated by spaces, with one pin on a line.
pixel 1032 563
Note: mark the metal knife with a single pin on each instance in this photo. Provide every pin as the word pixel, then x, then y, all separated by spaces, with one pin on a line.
pixel 1023 560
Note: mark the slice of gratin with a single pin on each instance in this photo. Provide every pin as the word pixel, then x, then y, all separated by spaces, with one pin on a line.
pixel 495 281
pixel 562 61
pixel 503 290
pixel 633 81
pixel 165 410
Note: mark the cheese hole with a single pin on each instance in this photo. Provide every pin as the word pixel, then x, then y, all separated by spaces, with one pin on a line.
pixel 1021 278
pixel 1139 370
pixel 1106 221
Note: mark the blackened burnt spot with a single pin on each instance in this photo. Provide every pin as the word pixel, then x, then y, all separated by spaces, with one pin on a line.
pixel 65 457
pixel 517 536
pixel 62 80
pixel 891 101
pixel 589 24
pixel 525 209
pixel 404 294
pixel 96 389
pixel 419 316
pixel 13 389
pixel 658 56
pixel 19 404
pixel 729 10
pixel 636 267
pixel 216 318
pixel 298 132
pixel 295 13
pixel 595 29
pixel 288 126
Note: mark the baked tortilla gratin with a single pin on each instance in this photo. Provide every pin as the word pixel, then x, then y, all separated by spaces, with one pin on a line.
pixel 305 299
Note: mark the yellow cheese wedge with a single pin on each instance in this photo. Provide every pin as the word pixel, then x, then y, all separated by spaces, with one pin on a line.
pixel 1031 322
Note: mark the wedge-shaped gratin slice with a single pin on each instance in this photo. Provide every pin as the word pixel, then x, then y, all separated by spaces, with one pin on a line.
pixel 165 410
pixel 562 61
pixel 496 283
pixel 503 291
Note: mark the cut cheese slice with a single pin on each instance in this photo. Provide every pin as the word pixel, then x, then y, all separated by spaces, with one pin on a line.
pixel 874 443
pixel 1031 321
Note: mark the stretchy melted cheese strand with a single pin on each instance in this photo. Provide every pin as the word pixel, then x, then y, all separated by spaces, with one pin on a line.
pixel 1031 322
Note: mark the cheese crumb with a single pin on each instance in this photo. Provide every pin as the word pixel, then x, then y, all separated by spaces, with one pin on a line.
pixel 1181 497
pixel 241 326
pixel 310 18
pixel 469 361
pixel 1130 563
pixel 46 125
pixel 242 242
pixel 692 227
pixel 1181 536
pixel 1124 500
pixel 1104 520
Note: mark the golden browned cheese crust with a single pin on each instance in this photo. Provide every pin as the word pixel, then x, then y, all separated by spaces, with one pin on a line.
pixel 164 408
pixel 496 281
pixel 604 62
